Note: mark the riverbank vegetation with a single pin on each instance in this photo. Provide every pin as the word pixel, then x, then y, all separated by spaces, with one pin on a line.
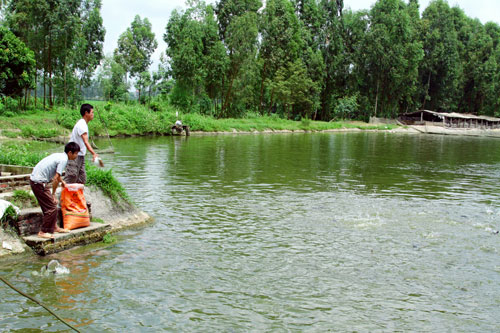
pixel 279 59
pixel 137 119
pixel 28 153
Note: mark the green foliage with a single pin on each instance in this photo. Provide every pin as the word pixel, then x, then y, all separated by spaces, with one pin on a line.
pixel 346 108
pixel 105 180
pixel 39 132
pixel 305 123
pixel 24 199
pixel 17 64
pixel 20 154
pixel 10 213
pixel 109 239
pixel 96 220
pixel 135 47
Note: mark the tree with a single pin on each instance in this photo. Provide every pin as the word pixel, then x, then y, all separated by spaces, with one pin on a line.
pixel 135 47
pixel 441 69
pixel 241 39
pixel 184 37
pixel 293 86
pixel 111 77
pixel 281 41
pixel 89 53
pixel 17 65
pixel 393 54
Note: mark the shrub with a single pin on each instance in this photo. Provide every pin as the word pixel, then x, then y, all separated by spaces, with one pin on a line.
pixel 346 108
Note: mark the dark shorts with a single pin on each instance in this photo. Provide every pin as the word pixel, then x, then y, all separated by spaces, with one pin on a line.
pixel 75 171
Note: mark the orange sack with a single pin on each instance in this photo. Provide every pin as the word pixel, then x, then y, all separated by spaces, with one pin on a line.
pixel 74 207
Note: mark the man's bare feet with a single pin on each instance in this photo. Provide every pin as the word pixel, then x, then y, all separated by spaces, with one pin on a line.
pixel 62 231
pixel 45 235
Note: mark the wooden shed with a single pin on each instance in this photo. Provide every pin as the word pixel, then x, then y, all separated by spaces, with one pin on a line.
pixel 451 120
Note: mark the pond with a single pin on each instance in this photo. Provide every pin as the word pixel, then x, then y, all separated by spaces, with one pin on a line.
pixel 286 232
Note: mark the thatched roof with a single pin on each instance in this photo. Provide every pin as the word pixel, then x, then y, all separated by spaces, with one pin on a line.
pixel 442 115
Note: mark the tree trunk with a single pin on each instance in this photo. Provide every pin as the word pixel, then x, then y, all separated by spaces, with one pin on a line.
pixel 226 100
pixel 44 89
pixel 65 84
pixel 51 103
pixel 262 88
pixel 36 83
pixel 376 98
pixel 427 91
pixel 271 102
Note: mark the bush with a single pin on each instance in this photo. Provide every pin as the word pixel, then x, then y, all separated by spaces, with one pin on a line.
pixel 346 108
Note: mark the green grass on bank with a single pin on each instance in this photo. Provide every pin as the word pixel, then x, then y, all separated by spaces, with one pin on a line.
pixel 15 152
pixel 136 119
pixel 30 153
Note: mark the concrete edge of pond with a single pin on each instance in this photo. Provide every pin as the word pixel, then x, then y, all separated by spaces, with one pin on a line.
pixel 115 216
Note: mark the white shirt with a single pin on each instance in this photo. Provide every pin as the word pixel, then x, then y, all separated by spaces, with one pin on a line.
pixel 80 128
pixel 46 169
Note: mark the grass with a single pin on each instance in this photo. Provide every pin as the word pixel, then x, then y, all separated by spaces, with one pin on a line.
pixel 24 199
pixel 96 220
pixel 137 119
pixel 105 180
pixel 109 239
pixel 22 153
pixel 10 213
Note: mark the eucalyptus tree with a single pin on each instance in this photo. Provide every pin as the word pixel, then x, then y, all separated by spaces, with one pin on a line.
pixel 335 55
pixel 48 27
pixel 312 21
pixel 479 66
pixel 89 42
pixel 17 65
pixel 198 58
pixel 281 43
pixel 238 29
pixel 135 47
pixel 393 54
pixel 112 79
pixel 441 70
pixel 293 86
pixel 227 10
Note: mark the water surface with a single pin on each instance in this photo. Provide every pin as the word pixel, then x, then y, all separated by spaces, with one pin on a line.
pixel 289 232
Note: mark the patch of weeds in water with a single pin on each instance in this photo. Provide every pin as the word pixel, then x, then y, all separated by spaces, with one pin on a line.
pixel 109 239
pixel 105 180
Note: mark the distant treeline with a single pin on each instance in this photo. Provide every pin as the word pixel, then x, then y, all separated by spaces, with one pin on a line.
pixel 295 58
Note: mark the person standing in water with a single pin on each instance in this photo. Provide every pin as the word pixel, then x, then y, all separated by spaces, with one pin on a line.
pixel 75 171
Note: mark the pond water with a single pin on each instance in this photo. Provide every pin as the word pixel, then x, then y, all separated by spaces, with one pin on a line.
pixel 288 232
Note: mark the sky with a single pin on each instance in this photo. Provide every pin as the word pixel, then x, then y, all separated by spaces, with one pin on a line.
pixel 118 15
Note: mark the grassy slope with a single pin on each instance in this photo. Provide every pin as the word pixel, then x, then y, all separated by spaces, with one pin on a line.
pixel 135 119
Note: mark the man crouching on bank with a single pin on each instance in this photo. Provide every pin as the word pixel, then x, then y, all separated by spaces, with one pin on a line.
pixel 51 169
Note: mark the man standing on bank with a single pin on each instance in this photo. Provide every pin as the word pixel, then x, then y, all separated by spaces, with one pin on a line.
pixel 75 171
pixel 47 170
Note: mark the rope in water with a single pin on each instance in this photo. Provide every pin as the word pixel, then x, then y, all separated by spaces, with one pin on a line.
pixel 39 303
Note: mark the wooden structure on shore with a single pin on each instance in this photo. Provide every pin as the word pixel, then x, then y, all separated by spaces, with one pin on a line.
pixel 451 120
